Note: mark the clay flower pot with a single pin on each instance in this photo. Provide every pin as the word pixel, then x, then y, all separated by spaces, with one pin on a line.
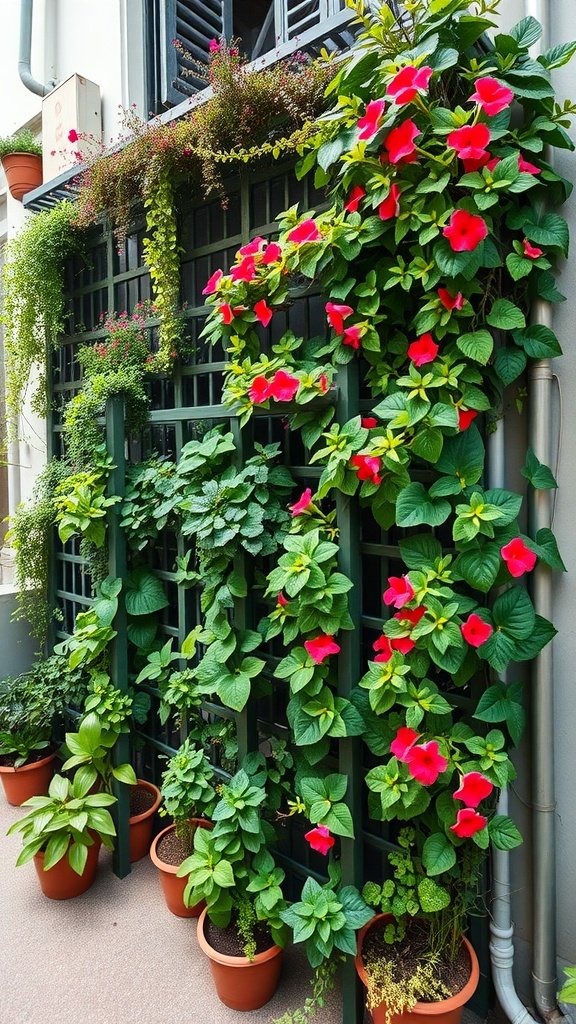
pixel 142 825
pixel 172 886
pixel 242 984
pixel 445 1011
pixel 28 780
pixel 23 173
pixel 61 882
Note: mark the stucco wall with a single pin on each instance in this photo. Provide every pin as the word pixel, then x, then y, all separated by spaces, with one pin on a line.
pixel 16 647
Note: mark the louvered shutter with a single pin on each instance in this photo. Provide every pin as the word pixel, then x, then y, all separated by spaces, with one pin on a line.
pixel 304 19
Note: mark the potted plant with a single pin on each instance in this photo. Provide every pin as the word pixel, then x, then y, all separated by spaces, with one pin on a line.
pixel 189 798
pixel 240 931
pixel 63 832
pixel 21 157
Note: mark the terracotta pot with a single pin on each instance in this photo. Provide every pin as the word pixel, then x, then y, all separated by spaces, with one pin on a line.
pixel 29 780
pixel 23 173
pixel 242 984
pixel 61 882
pixel 446 1011
pixel 172 886
pixel 142 825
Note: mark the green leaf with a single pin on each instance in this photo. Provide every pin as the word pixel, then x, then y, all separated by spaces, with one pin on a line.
pixel 526 32
pixel 509 363
pixel 518 266
pixel 144 593
pixel 415 507
pixel 427 444
pixel 500 703
pixel 479 567
pixel 538 342
pixel 125 773
pixel 223 874
pixel 514 613
pixel 77 857
pixel 542 633
pixel 339 821
pixel 438 854
pixel 421 551
pixel 506 316
pixel 433 897
pixel 546 548
pixel 567 993
pixel 539 475
pixel 234 690
pixel 477 346
pixel 557 56
pixel 142 632
pixel 463 457
pixel 504 834
pixel 55 849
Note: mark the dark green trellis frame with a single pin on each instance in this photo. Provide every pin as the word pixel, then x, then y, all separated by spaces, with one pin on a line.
pixel 210 237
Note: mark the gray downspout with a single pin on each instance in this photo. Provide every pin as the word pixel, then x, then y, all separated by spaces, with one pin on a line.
pixel 24 59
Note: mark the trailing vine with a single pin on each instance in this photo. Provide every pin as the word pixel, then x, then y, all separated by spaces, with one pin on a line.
pixel 162 255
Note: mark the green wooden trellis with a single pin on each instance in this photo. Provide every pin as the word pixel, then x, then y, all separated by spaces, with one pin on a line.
pixel 210 237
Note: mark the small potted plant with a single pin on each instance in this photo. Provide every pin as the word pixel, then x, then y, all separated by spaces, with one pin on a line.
pixel 63 833
pixel 29 706
pixel 21 156
pixel 240 931
pixel 188 798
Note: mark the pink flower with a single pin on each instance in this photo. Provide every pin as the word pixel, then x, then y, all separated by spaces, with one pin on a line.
pixel 263 312
pixel 337 314
pixel 284 386
pixel 212 283
pixel 475 631
pixel 400 591
pixel 412 615
pixel 245 270
pixel 323 384
pixel 423 350
pixel 451 302
pixel 383 648
pixel 368 467
pixel 281 600
pixel 321 648
pixel 369 422
pixel 352 336
pixel 474 787
pixel 526 167
pixel 307 231
pixel 320 839
pixel 260 390
pixel 251 248
pixel 532 252
pixel 491 96
pixel 73 135
pixel 465 231
pixel 407 83
pixel 465 417
pixel 399 143
pixel 426 763
pixel 519 559
pixel 303 503
pixel 214 46
pixel 470 141
pixel 354 199
pixel 403 742
pixel 272 253
pixel 468 823
pixel 390 207
pixel 369 124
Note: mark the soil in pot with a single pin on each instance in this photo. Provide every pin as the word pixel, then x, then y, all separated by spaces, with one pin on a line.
pixel 144 802
pixel 140 800
pixel 168 852
pixel 405 956
pixel 228 941
pixel 31 779
pixel 241 984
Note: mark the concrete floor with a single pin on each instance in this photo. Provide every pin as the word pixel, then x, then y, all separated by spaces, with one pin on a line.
pixel 114 955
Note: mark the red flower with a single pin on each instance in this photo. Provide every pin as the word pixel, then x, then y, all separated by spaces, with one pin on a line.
pixel 491 96
pixel 337 314
pixel 251 248
pixel 368 467
pixel 321 648
pixel 527 167
pixel 470 141
pixel 383 647
pixel 426 763
pixel 468 823
pixel 519 559
pixel 532 252
pixel 323 383
pixel 212 283
pixel 399 143
pixel 482 161
pixel 226 313
pixel 272 253
pixel 403 742
pixel 73 135
pixel 369 422
pixel 465 417
pixel 284 386
pixel 390 207
pixel 403 644
pixel 465 231
pixel 412 615
pixel 399 592
pixel 281 600
pixel 303 503
pixel 260 390
pixel 352 336
pixel 355 198
pixel 451 302
pixel 263 312
pixel 245 270
pixel 423 350
pixel 307 231
pixel 369 124
pixel 475 631
pixel 407 83
pixel 474 787
pixel 320 839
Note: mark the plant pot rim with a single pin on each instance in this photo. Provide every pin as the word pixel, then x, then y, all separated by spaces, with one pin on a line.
pixel 426 1009
pixel 144 784
pixel 172 869
pixel 232 961
pixel 29 767
pixel 20 152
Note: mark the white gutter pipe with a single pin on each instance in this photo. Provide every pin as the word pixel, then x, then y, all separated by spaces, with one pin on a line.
pixel 25 55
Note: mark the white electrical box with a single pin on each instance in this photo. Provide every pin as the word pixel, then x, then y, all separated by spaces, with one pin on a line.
pixel 73 107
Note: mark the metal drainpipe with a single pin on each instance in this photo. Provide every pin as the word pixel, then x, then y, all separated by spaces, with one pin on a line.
pixel 24 59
